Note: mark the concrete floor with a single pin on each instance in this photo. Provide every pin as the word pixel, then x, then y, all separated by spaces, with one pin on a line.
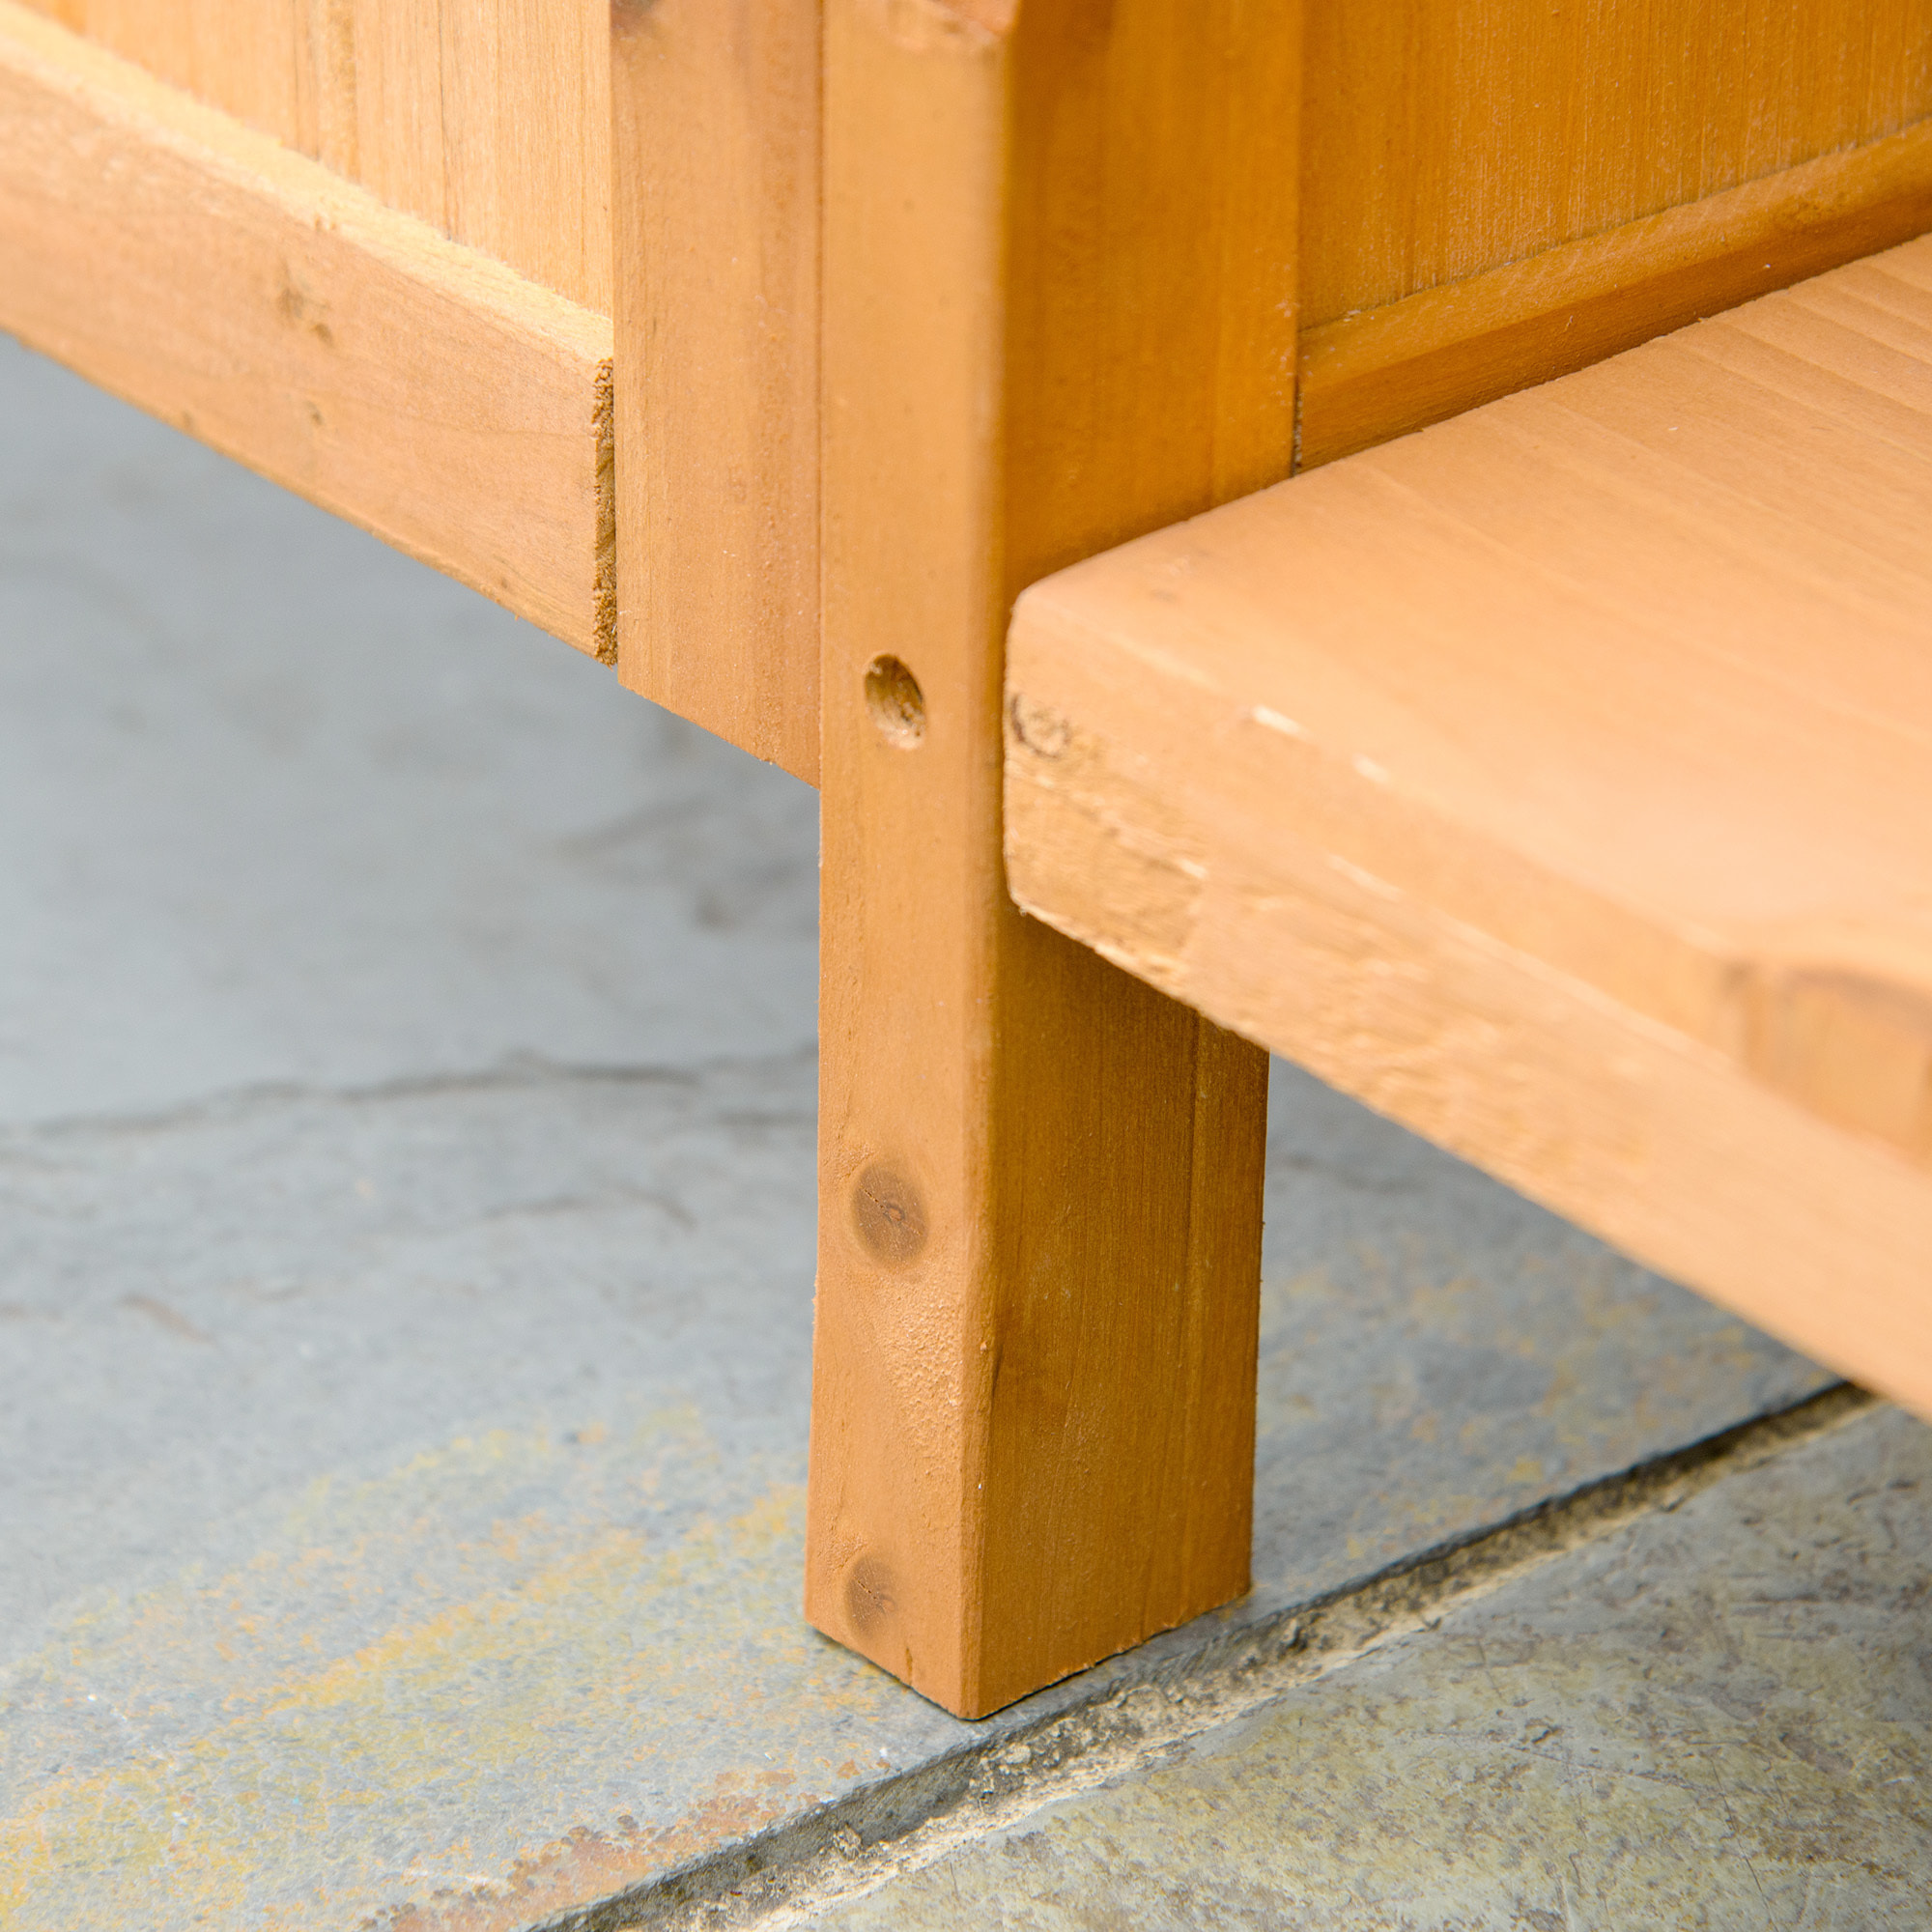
pixel 405 1113
pixel 1718 1716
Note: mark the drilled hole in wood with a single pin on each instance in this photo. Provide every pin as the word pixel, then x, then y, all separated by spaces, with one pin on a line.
pixel 896 702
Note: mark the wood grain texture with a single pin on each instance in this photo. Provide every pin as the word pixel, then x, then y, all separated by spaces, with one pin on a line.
pixel 1444 138
pixel 490 119
pixel 717 118
pixel 1383 372
pixel 1059 308
pixel 1559 781
pixel 271 309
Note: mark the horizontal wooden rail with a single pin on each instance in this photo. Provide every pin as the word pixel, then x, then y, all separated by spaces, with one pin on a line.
pixel 1382 372
pixel 1559 782
pixel 246 294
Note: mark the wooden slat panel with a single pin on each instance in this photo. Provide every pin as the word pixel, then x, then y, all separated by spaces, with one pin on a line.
pixel 252 298
pixel 1443 138
pixel 1559 781
pixel 243 56
pixel 490 119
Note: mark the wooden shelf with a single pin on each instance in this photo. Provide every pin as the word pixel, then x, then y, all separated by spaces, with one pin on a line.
pixel 1559 782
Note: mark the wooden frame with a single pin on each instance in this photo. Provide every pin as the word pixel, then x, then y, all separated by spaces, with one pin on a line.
pixel 771 351
pixel 257 299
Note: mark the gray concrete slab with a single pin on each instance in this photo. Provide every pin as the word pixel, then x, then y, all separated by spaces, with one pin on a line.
pixel 406 1116
pixel 278 805
pixel 1718 1716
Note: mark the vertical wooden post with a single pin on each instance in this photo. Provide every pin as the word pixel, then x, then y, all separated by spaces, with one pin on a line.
pixel 715 123
pixel 1058 301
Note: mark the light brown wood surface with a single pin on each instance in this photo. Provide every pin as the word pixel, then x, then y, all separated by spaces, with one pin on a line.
pixel 716 115
pixel 1559 781
pixel 489 119
pixel 1059 310
pixel 1615 171
pixel 1382 372
pixel 255 300
pixel 1443 138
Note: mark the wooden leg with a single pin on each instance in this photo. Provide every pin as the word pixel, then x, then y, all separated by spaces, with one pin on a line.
pixel 1058 266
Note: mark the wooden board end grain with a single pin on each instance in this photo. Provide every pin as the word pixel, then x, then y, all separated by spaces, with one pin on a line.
pixel 1559 782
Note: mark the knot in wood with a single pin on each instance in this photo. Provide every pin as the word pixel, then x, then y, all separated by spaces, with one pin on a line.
pixel 870 1601
pixel 889 1216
